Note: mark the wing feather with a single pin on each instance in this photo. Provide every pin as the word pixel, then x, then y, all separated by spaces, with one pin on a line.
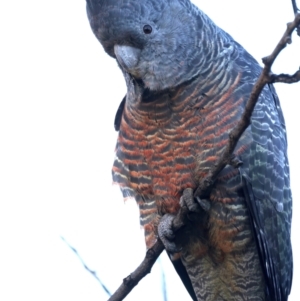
pixel 268 196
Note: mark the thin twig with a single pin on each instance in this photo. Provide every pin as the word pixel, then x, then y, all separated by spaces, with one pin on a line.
pixel 295 7
pixel 296 10
pixel 286 78
pixel 205 185
pixel 93 273
pixel 163 281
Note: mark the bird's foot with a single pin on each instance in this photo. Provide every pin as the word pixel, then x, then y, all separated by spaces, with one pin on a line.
pixel 166 233
pixel 165 226
pixel 193 204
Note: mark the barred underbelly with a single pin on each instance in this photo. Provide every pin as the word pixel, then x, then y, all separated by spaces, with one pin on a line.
pixel 229 227
pixel 237 278
pixel 224 262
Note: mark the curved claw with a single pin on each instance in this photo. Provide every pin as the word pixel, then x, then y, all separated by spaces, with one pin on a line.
pixel 166 233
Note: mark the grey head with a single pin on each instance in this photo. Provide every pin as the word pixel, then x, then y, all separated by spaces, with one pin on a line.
pixel 157 42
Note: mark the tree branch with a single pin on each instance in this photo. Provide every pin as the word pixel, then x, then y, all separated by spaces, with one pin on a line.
pixel 143 269
pixel 296 10
pixel 286 78
pixel 227 157
pixel 93 273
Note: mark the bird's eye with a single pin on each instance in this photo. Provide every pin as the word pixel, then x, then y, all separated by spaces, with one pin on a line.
pixel 147 29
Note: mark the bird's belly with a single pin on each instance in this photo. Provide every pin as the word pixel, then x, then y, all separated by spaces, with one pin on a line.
pixel 239 274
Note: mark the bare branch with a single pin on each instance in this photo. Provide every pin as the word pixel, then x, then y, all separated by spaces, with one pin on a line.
pixel 296 10
pixel 143 269
pixel 94 274
pixel 286 78
pixel 227 158
pixel 286 39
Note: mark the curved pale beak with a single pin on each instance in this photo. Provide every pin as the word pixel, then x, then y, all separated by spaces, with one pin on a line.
pixel 128 57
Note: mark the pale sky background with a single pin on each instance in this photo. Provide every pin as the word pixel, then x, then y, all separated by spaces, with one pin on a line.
pixel 59 93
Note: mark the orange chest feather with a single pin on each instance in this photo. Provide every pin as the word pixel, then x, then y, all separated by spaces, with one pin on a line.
pixel 164 147
pixel 160 161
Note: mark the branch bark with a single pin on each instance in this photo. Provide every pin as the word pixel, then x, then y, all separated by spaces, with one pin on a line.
pixel 142 270
pixel 296 10
pixel 227 157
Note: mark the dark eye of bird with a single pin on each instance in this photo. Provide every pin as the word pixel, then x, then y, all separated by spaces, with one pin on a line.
pixel 147 29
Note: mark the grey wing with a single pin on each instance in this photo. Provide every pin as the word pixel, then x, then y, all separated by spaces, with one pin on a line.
pixel 268 195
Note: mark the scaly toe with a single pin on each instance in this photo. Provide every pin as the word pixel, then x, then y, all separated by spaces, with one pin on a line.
pixel 166 234
pixel 187 199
